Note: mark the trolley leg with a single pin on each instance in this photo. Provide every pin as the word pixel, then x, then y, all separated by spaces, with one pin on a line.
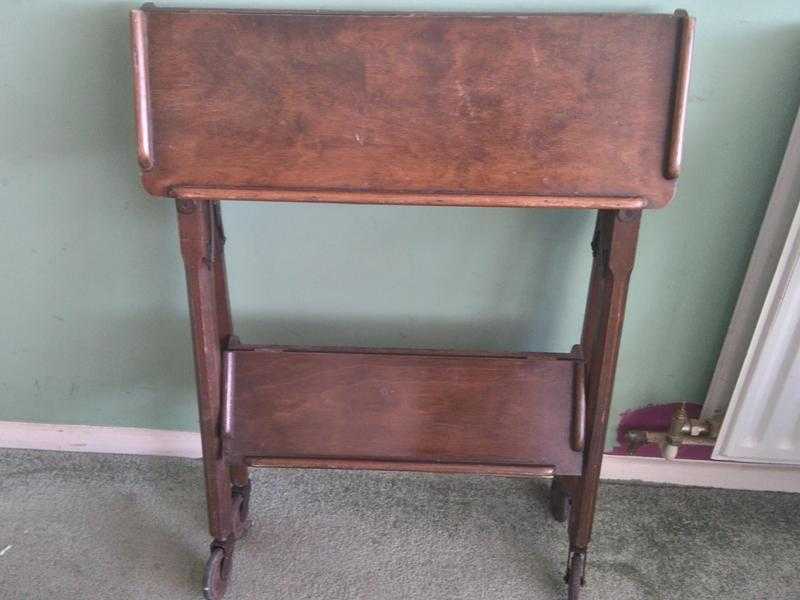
pixel 239 473
pixel 199 240
pixel 614 249
pixel 563 490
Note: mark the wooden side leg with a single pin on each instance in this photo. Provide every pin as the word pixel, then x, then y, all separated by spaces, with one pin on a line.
pixel 239 472
pixel 562 491
pixel 614 249
pixel 196 225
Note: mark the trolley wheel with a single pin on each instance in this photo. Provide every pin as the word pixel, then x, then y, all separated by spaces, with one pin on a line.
pixel 575 579
pixel 241 523
pixel 217 574
pixel 559 501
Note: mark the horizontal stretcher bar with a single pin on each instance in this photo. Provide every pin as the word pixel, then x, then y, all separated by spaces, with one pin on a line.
pixel 517 414
pixel 386 465
pixel 408 198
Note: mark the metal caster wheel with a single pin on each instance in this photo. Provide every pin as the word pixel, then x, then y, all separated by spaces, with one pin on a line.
pixel 559 502
pixel 217 572
pixel 575 575
pixel 241 510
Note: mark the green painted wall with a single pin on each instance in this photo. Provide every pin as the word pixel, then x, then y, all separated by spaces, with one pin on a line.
pixel 94 323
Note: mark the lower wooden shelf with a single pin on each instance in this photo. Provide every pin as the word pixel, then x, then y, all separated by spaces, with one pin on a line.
pixel 434 411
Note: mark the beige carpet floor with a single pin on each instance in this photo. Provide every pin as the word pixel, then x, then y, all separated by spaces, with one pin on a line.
pixel 81 526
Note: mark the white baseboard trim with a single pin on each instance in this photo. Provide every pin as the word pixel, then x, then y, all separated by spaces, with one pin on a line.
pixel 186 444
pixel 94 438
pixel 703 473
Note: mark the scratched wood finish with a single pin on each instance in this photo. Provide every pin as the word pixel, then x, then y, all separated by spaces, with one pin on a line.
pixel 614 249
pixel 572 111
pixel 413 408
pixel 375 108
pixel 616 237
pixel 197 227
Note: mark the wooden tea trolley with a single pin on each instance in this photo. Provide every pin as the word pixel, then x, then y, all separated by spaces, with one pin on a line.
pixel 505 110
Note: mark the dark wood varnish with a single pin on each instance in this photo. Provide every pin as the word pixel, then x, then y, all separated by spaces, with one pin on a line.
pixel 681 96
pixel 141 89
pixel 407 198
pixel 197 229
pixel 428 108
pixel 424 467
pixel 616 236
pixel 567 111
pixel 579 406
pixel 403 408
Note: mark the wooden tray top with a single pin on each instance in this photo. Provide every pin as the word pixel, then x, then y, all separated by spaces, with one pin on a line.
pixel 565 110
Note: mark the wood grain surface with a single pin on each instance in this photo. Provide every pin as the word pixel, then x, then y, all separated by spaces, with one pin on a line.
pixel 395 407
pixel 378 108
